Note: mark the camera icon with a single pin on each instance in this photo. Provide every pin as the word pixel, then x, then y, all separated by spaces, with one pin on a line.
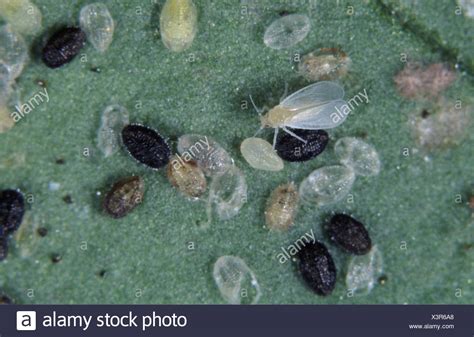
pixel 26 320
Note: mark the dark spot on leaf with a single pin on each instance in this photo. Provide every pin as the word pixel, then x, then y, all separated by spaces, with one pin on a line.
pixel 42 231
pixel 67 199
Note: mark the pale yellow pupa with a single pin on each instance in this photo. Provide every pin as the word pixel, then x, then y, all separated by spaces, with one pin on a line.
pixel 178 24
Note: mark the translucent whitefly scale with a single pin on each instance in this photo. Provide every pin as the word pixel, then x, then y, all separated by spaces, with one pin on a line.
pixel 6 121
pixel 178 24
pixel 236 281
pixel 327 185
pixel 364 271
pixel 468 7
pixel 358 155
pixel 5 84
pixel 96 21
pixel 315 107
pixel 209 155
pixel 227 193
pixel 13 51
pixel 23 16
pixel 287 31
pixel 324 64
pixel 260 154
pixel 113 120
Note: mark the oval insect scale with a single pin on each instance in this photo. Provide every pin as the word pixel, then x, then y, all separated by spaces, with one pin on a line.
pixel 63 46
pixel 282 207
pixel 178 24
pixel 124 196
pixel 292 149
pixel 3 244
pixel 187 177
pixel 146 145
pixel 208 154
pixel 12 209
pixel 349 234
pixel 324 64
pixel 97 23
pixel 260 154
pixel 317 268
pixel 287 31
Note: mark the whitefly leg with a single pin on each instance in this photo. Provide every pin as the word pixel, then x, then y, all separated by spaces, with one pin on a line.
pixel 291 133
pixel 258 131
pixel 275 137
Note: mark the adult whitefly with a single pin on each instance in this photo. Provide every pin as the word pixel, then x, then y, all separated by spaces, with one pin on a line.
pixel 13 51
pixel 23 16
pixel 363 271
pixel 98 24
pixel 236 282
pixel 260 154
pixel 209 154
pixel 178 24
pixel 358 155
pixel 327 185
pixel 287 31
pixel 114 118
pixel 313 107
pixel 227 194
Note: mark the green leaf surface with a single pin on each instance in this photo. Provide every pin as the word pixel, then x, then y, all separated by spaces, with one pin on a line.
pixel 145 255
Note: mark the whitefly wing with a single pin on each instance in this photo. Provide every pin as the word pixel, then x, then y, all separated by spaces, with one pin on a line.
pixel 324 116
pixel 313 95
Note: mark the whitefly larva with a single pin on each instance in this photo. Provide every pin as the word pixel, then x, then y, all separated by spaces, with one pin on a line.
pixel 178 24
pixel 314 107
pixel 281 207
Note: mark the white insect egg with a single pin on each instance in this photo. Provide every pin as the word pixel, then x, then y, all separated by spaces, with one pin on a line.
pixel 236 281
pixel 178 24
pixel 287 31
pixel 260 154
pixel 315 107
pixel 358 155
pixel 97 23
pixel 327 185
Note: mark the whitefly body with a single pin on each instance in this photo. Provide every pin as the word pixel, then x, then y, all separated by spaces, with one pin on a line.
pixel 314 107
